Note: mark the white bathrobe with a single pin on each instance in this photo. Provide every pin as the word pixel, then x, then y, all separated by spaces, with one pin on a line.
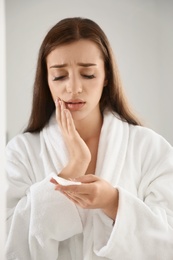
pixel 45 225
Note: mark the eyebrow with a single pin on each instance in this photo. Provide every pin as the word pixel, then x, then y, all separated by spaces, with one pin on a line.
pixel 57 66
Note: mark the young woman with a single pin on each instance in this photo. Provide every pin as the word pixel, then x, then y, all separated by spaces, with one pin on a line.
pixel 86 180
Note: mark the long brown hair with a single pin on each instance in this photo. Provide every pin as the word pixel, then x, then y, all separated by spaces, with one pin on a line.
pixel 66 31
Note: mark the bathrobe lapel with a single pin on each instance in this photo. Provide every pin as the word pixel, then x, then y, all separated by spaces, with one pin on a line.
pixel 112 148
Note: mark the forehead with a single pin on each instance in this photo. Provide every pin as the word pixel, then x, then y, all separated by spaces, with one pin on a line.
pixel 78 51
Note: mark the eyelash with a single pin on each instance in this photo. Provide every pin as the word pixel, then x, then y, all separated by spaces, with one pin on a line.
pixel 89 76
pixel 58 78
pixel 85 76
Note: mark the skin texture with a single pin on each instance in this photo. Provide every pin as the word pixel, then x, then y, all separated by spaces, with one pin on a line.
pixel 76 78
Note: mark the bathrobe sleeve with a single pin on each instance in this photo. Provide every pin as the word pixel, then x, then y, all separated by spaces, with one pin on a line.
pixel 38 217
pixel 144 224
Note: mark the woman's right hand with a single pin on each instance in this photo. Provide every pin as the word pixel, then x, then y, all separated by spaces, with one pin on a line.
pixel 79 152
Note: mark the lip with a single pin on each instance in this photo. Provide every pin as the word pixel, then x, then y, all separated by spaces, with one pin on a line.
pixel 75 104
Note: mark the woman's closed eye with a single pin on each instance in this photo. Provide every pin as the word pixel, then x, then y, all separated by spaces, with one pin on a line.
pixel 59 78
pixel 88 76
pixel 92 76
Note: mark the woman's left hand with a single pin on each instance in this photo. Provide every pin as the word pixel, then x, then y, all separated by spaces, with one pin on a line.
pixel 93 193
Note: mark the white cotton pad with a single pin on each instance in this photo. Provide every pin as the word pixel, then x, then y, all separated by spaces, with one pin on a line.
pixel 63 181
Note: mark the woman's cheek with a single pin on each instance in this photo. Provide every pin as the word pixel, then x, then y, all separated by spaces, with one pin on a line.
pixel 52 90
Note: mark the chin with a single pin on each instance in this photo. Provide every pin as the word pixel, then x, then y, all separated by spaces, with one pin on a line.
pixel 79 115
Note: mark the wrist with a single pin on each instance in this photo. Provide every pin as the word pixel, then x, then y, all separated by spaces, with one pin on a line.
pixel 74 170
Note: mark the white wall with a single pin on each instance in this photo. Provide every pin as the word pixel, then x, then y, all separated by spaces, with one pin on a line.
pixel 2 130
pixel 141 34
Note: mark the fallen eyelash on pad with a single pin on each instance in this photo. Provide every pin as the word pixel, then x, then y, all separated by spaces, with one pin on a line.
pixel 63 181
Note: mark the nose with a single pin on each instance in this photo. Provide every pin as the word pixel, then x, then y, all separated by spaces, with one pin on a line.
pixel 74 86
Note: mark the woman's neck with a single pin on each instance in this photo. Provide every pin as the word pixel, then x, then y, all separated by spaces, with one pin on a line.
pixel 89 127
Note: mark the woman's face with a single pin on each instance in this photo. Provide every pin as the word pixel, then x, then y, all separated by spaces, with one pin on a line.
pixel 76 75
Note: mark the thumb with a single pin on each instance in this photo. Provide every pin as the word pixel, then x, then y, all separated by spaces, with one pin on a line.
pixel 87 178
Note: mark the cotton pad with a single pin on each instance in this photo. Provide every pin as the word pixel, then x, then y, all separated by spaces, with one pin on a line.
pixel 63 181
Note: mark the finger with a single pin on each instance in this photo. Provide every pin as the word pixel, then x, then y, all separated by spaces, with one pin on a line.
pixel 88 178
pixel 63 116
pixel 77 200
pixel 84 189
pixel 58 111
pixel 53 181
pixel 57 185
pixel 86 202
pixel 83 200
pixel 70 123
